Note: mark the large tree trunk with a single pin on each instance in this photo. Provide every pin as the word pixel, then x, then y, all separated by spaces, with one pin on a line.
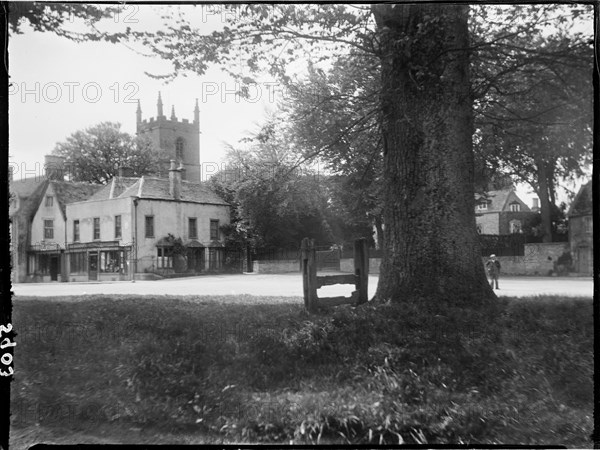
pixel 431 247
pixel 545 205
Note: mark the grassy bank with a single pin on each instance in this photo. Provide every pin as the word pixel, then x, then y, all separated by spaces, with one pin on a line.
pixel 272 373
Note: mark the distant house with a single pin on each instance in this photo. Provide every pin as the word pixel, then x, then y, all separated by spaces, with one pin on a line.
pixel 581 236
pixel 133 225
pixel 501 212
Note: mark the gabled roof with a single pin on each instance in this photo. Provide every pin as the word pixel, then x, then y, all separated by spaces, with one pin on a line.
pixel 158 188
pixel 583 203
pixel 69 192
pixel 29 191
pixel 499 200
pixel 25 186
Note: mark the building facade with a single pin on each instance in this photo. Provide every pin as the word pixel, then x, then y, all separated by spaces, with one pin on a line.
pixel 581 230
pixel 501 212
pixel 147 225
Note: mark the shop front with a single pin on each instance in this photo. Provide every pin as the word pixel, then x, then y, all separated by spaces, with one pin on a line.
pixel 99 261
pixel 45 263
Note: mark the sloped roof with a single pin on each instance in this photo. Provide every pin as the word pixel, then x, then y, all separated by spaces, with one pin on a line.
pixel 70 192
pixel 25 186
pixel 498 200
pixel 118 185
pixel 29 191
pixel 583 203
pixel 158 188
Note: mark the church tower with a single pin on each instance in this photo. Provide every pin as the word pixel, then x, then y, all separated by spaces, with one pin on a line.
pixel 178 140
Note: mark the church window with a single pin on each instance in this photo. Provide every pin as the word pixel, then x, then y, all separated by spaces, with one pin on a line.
pixel 179 149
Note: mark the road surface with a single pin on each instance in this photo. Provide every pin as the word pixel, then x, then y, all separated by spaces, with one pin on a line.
pixel 286 285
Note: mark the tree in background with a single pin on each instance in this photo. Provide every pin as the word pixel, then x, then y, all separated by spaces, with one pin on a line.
pixel 275 202
pixel 96 153
pixel 533 97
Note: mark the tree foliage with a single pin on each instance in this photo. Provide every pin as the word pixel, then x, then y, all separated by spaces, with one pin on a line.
pixel 54 17
pixel 96 153
pixel 533 95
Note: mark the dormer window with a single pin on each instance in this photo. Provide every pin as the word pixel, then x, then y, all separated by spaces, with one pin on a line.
pixel 515 207
pixel 483 206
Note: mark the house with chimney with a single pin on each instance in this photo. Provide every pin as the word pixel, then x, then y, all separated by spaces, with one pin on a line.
pixel 146 226
pixel 501 212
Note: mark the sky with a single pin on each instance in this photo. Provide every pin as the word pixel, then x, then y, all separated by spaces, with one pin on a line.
pixel 59 87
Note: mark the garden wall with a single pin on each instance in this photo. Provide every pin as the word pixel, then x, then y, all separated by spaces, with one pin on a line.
pixel 276 266
pixel 539 259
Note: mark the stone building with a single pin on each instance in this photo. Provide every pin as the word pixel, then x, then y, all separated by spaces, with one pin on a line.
pixel 501 212
pixel 581 230
pixel 132 226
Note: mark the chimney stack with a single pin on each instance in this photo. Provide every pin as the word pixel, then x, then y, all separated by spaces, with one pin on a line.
pixel 174 181
pixel 54 167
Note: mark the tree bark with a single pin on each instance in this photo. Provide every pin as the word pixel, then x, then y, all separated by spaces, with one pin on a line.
pixel 431 247
pixel 545 205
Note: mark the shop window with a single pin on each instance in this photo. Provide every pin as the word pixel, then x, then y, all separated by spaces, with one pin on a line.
pixel 113 261
pixel 77 262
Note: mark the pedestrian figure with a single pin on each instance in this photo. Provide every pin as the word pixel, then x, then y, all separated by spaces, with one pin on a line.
pixel 493 268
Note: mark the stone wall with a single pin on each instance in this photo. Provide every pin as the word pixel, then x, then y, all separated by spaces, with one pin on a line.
pixel 276 266
pixel 538 259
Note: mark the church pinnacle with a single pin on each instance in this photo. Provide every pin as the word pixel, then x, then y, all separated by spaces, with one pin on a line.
pixel 159 106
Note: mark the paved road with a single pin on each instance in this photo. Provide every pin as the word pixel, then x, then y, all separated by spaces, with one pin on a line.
pixel 287 285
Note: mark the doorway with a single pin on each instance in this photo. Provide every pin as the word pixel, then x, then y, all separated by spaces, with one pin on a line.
pixel 54 268
pixel 93 267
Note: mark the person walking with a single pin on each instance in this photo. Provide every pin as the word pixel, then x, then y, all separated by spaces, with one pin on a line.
pixel 493 269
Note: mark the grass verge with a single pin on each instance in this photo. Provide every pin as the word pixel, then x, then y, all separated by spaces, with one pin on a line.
pixel 272 373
